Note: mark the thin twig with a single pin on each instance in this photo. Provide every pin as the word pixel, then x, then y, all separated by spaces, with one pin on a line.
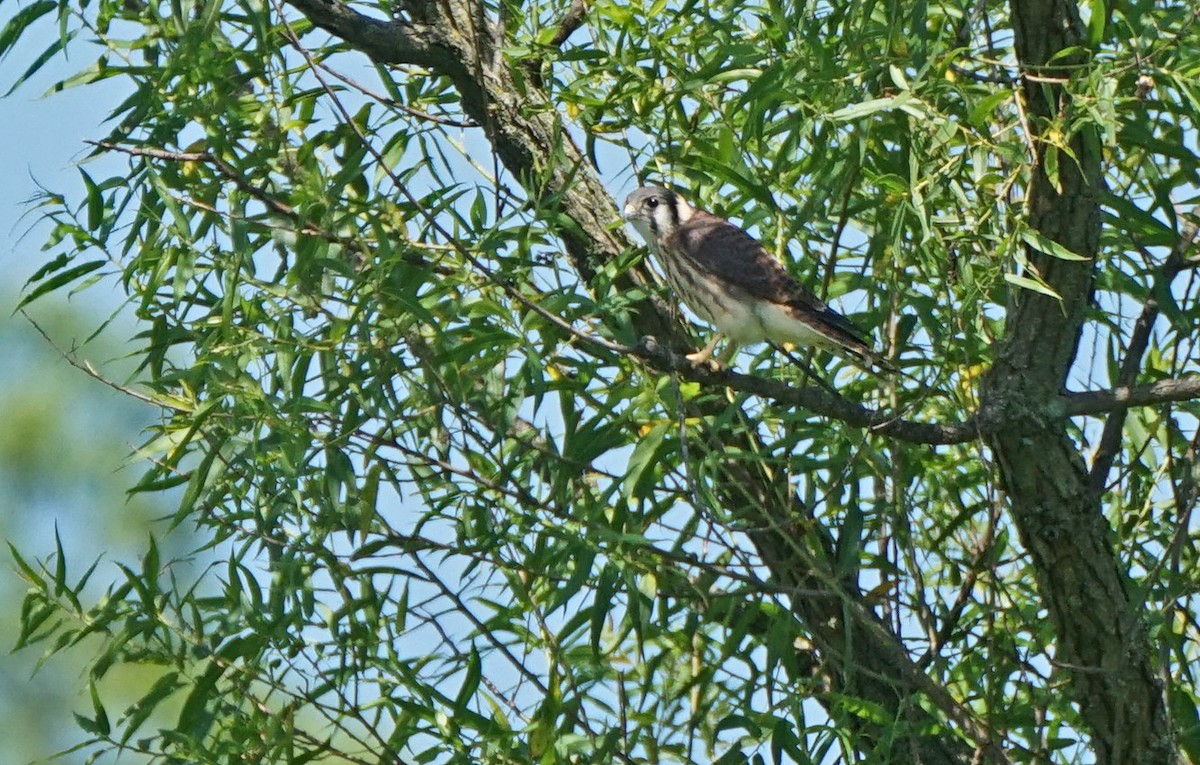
pixel 91 371
pixel 1110 438
pixel 983 551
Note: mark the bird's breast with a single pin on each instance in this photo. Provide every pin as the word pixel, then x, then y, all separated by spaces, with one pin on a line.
pixel 730 309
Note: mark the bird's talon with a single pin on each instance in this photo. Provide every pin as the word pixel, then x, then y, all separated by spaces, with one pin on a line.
pixel 702 359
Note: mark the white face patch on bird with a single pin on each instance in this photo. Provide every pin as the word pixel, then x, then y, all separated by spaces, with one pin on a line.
pixel 656 213
pixel 731 281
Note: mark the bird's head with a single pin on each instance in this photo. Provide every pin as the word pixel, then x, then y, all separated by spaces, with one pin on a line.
pixel 656 212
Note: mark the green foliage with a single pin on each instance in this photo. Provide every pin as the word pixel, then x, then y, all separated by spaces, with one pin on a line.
pixel 440 526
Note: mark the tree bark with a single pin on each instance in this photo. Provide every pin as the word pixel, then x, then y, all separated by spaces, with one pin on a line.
pixel 1101 641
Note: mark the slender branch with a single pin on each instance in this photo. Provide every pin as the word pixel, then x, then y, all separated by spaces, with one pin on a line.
pixel 1110 438
pixel 996 79
pixel 87 368
pixel 239 180
pixel 962 38
pixel 572 20
pixel 153 152
pixel 1123 397
pixel 980 556
pixel 980 423
pixel 812 398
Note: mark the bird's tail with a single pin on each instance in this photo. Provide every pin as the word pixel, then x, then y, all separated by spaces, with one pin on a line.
pixel 861 355
pixel 869 360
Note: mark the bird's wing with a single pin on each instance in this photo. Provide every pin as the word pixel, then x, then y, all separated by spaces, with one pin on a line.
pixel 736 258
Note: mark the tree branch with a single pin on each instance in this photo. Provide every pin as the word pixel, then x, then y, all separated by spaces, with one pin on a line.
pixel 1110 439
pixel 987 421
pixel 522 126
pixel 813 398
pixel 1123 397
pixel 385 41
pixel 857 654
pixel 571 20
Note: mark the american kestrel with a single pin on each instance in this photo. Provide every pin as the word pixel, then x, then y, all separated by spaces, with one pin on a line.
pixel 731 281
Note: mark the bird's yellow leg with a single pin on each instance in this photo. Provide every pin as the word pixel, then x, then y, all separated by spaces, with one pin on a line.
pixel 705 353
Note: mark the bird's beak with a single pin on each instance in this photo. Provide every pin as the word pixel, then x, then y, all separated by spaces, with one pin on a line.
pixel 629 212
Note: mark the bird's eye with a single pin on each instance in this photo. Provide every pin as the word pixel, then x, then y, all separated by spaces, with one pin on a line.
pixel 652 202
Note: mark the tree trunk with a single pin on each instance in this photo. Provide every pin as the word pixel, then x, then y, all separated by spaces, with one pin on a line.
pixel 1101 641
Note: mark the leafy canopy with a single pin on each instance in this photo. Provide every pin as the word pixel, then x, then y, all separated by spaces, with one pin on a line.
pixel 451 512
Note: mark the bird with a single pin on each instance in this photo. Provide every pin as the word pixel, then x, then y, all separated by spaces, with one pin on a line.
pixel 729 279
